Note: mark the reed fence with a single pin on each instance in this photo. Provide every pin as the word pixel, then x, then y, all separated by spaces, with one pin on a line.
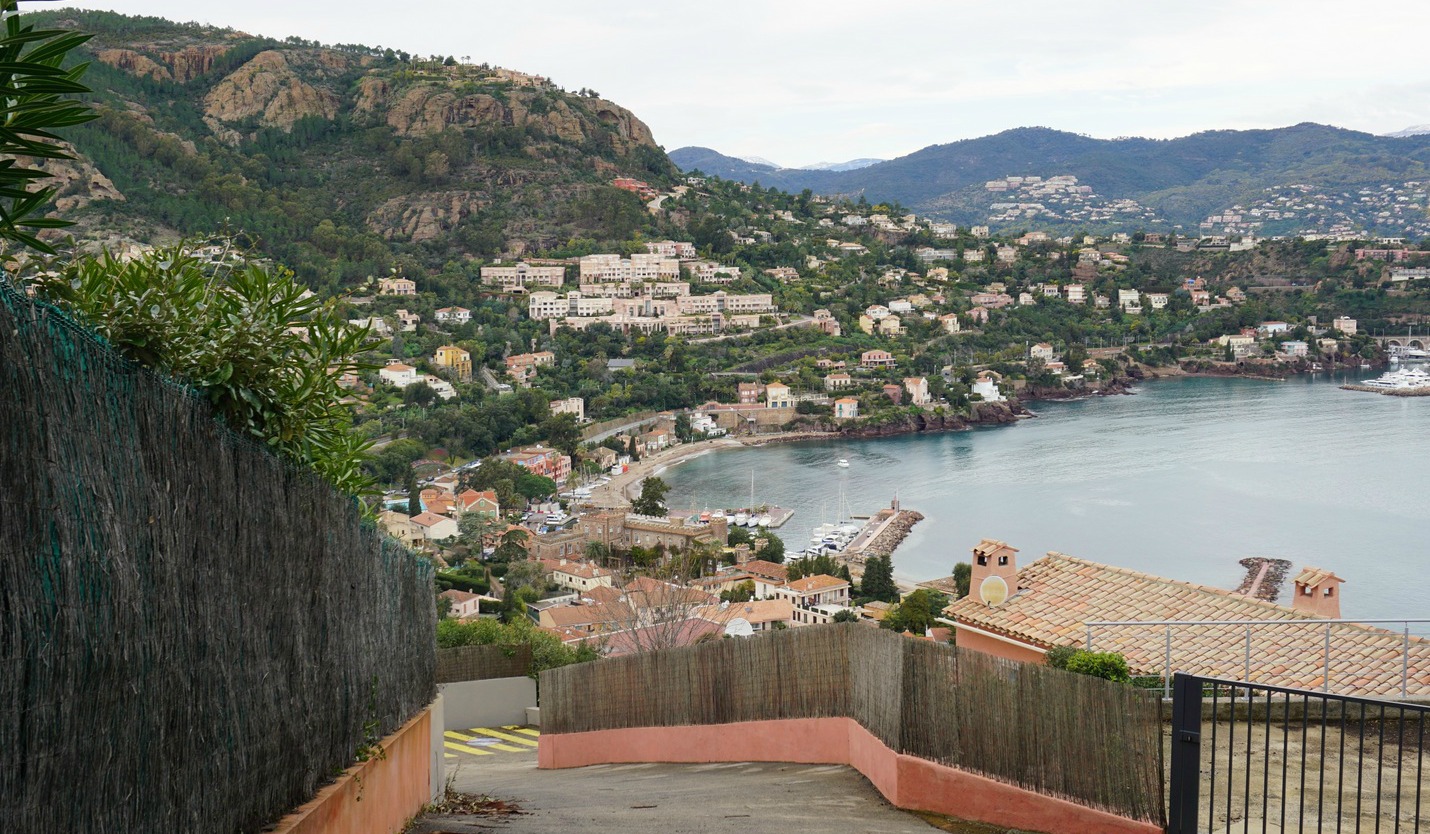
pixel 483 663
pixel 194 634
pixel 1071 736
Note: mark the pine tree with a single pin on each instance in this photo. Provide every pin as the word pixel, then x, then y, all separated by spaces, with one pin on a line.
pixel 878 581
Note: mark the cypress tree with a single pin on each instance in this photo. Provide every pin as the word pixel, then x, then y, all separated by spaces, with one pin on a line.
pixel 414 497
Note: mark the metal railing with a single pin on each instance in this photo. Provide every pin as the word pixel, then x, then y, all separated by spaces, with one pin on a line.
pixel 1277 651
pixel 1253 757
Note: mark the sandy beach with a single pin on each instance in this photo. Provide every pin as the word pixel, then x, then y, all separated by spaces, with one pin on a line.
pixel 618 492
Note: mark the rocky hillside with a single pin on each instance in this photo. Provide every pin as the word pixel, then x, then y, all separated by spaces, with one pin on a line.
pixel 341 161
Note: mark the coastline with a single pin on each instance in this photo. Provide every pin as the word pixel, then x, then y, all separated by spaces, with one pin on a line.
pixel 614 495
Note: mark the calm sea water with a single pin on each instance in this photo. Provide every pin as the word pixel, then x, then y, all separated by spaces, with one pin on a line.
pixel 1182 479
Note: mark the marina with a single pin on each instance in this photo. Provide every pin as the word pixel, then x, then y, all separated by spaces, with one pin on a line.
pixel 1401 382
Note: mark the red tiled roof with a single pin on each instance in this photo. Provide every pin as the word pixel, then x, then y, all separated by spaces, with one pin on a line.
pixel 815 584
pixel 1058 595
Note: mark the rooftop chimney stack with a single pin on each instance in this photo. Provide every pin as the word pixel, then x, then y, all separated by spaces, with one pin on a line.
pixel 1318 593
pixel 995 572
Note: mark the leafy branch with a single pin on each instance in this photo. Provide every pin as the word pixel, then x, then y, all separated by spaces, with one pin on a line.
pixel 35 98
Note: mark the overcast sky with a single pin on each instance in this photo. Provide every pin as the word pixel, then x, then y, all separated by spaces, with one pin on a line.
pixel 799 82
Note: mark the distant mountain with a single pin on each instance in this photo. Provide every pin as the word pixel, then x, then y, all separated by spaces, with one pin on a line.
pixel 851 165
pixel 1414 130
pixel 760 160
pixel 1122 181
pixel 718 164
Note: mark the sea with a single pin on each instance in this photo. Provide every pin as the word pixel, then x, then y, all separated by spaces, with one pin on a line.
pixel 1182 478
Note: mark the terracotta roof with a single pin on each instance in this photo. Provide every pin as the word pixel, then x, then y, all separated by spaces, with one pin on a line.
pixel 581 570
pixel 602 594
pixel 470 497
pixel 648 638
pixel 428 519
pixel 644 592
pixel 458 596
pixel 611 614
pixel 1059 594
pixel 764 569
pixel 946 585
pixel 815 584
pixel 1313 577
pixel 755 611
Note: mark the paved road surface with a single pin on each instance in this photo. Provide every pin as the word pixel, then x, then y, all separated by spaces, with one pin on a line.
pixel 748 798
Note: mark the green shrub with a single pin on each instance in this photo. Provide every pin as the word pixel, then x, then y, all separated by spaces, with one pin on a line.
pixel 1058 656
pixel 1108 665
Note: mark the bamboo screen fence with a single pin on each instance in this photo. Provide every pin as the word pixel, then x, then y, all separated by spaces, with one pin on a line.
pixel 1060 734
pixel 483 663
pixel 194 635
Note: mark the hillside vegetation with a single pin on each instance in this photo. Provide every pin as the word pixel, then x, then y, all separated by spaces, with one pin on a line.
pixel 345 161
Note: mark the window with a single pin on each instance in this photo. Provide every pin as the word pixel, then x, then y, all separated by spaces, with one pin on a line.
pixel 1329 591
pixel 1002 561
pixel 982 560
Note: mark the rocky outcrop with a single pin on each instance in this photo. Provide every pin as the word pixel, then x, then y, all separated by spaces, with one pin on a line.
pixel 77 182
pixel 1117 385
pixel 182 65
pixel 424 216
pixel 426 108
pixel 134 63
pixel 270 88
pixel 980 414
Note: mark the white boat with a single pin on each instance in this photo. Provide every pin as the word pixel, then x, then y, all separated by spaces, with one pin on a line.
pixel 842 463
pixel 1400 380
pixel 740 519
pixel 764 520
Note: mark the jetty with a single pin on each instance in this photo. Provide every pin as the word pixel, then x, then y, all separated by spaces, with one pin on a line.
pixel 1264 577
pixel 881 534
pixel 1423 391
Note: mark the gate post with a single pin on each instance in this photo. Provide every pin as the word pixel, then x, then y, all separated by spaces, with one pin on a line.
pixel 1186 754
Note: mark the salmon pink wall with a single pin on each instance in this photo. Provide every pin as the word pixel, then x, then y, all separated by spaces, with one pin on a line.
pixel 378 796
pixel 906 781
pixel 983 643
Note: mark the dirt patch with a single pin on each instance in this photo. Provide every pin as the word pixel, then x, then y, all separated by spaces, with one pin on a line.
pixel 1291 774
pixel 462 813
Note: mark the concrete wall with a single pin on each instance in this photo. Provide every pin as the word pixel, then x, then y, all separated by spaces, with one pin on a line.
pixel 489 703
pixel 378 796
pixel 906 781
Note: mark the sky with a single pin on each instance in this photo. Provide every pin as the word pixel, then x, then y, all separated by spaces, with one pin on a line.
pixel 801 82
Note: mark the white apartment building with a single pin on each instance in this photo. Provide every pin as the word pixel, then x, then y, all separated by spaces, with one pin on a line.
pixel 549 305
pixel 570 405
pixel 523 275
pixel 613 269
pixel 672 249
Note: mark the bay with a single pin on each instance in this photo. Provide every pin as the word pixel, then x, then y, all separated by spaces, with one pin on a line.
pixel 1181 479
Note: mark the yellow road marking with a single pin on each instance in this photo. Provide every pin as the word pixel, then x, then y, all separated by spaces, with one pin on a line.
pixel 475 751
pixel 506 748
pixel 524 731
pixel 503 736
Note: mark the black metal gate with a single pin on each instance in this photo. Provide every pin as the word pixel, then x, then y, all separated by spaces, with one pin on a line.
pixel 1249 757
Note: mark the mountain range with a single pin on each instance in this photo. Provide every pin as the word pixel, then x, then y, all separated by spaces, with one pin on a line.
pixel 851 165
pixel 1172 182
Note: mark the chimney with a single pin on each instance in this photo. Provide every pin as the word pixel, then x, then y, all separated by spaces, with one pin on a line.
pixel 995 572
pixel 742 554
pixel 1318 593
